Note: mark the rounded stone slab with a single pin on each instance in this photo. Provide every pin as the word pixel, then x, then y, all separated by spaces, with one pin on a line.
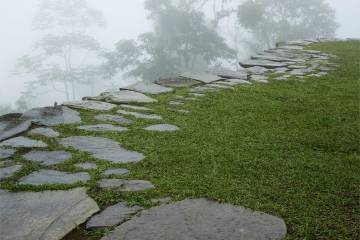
pixel 11 125
pixel 5 153
pixel 202 77
pixel 23 142
pixel 112 216
pixel 230 74
pixel 54 177
pixel 257 70
pixel 122 185
pixel 52 116
pixel 102 148
pixel 178 82
pixel 116 171
pixel 90 105
pixel 200 220
pixel 133 107
pixel 86 166
pixel 46 132
pixel 140 115
pixel 162 128
pixel 103 128
pixel 262 63
pixel 126 96
pixel 47 215
pixel 113 118
pixel 148 87
pixel 48 158
pixel 9 171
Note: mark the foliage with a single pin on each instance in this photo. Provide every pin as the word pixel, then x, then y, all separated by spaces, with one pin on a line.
pixel 272 21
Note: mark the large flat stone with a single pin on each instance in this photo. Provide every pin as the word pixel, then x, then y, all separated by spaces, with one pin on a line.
pixel 116 171
pixel 23 142
pixel 230 74
pixel 45 132
pixel 12 125
pixel 122 185
pixel 126 96
pixel 140 115
pixel 257 70
pixel 90 105
pixel 133 107
pixel 52 116
pixel 162 128
pixel 113 118
pixel 178 82
pixel 54 177
pixel 148 87
pixel 48 158
pixel 48 215
pixel 9 171
pixel 5 153
pixel 103 128
pixel 202 77
pixel 200 220
pixel 112 216
pixel 262 63
pixel 102 148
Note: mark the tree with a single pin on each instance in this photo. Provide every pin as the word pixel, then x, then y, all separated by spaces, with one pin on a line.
pixel 271 21
pixel 59 57
pixel 181 41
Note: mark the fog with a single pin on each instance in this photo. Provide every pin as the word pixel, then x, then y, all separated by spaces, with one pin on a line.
pixel 124 20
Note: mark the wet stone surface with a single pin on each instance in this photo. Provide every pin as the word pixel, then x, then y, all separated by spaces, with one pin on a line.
pixel 90 105
pixel 11 125
pixel 48 158
pixel 5 153
pixel 202 77
pixel 122 185
pixel 148 87
pixel 43 177
pixel 102 148
pixel 178 82
pixel 7 172
pixel 23 142
pixel 45 132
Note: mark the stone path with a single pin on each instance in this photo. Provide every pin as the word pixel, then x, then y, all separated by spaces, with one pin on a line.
pixel 48 158
pixel 148 87
pixel 54 177
pixel 125 96
pixel 202 77
pixel 90 105
pixel 122 185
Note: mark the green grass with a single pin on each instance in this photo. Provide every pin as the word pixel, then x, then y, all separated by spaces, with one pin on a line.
pixel 287 148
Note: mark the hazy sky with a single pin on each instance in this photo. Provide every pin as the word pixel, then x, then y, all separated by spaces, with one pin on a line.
pixel 125 18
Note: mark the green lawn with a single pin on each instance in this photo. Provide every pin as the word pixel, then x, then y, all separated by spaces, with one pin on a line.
pixel 288 148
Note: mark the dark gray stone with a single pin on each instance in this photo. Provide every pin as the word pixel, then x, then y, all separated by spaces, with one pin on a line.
pixel 48 215
pixel 9 171
pixel 52 116
pixel 12 125
pixel 45 132
pixel 200 220
pixel 5 153
pixel 178 82
pixel 113 118
pixel 54 177
pixel 148 87
pixel 90 105
pixel 116 171
pixel 162 128
pixel 122 185
pixel 86 166
pixel 102 148
pixel 140 115
pixel 112 216
pixel 48 158
pixel 23 142
pixel 202 77
pixel 103 128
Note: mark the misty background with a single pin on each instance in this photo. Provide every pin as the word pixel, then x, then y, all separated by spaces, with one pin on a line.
pixel 127 20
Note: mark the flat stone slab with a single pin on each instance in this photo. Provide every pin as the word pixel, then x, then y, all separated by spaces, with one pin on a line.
pixel 162 128
pixel 113 118
pixel 148 87
pixel 126 96
pixel 103 128
pixel 116 171
pixel 262 63
pixel 6 163
pixel 257 70
pixel 202 77
pixel 112 216
pixel 178 82
pixel 200 220
pixel 45 132
pixel 90 105
pixel 86 166
pixel 133 107
pixel 48 158
pixel 11 125
pixel 5 153
pixel 203 89
pixel 102 148
pixel 47 215
pixel 54 177
pixel 140 115
pixel 9 171
pixel 52 116
pixel 122 185
pixel 230 74
pixel 23 142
